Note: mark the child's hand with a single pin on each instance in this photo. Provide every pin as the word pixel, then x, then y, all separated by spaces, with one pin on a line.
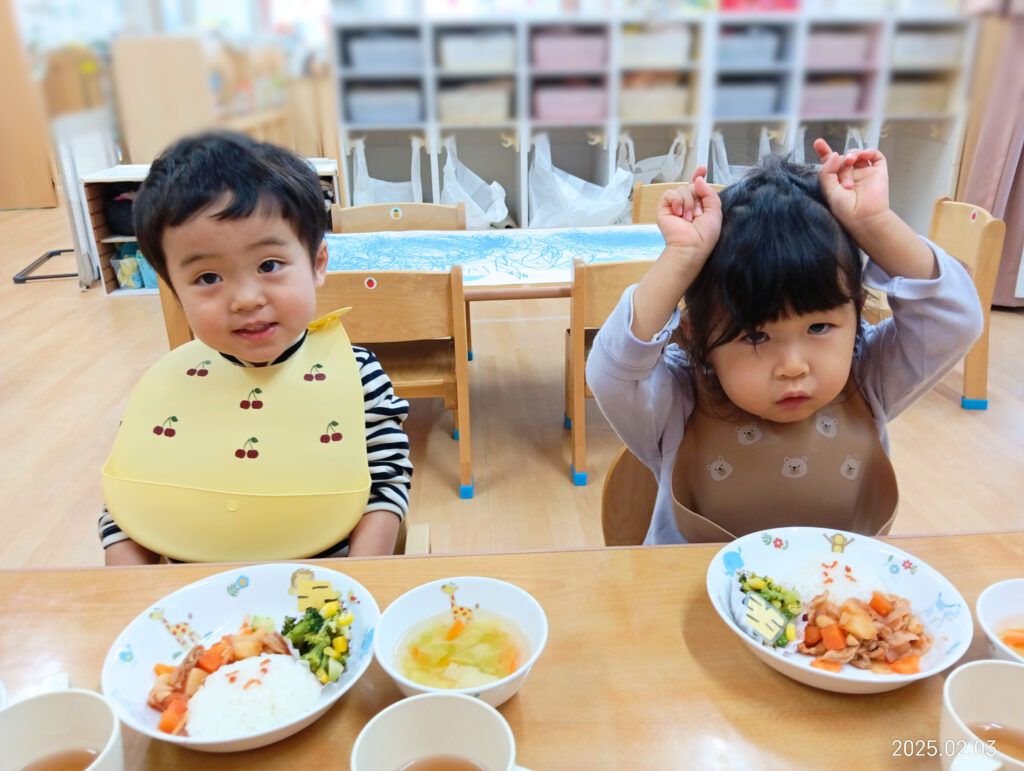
pixel 856 185
pixel 690 217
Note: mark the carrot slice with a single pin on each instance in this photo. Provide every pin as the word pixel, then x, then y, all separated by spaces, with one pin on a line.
pixel 212 659
pixel 162 669
pixel 1013 637
pixel 908 665
pixel 455 631
pixel 880 603
pixel 828 666
pixel 834 637
pixel 172 716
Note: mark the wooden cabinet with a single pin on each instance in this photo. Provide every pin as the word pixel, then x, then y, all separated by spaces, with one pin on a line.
pixel 104 243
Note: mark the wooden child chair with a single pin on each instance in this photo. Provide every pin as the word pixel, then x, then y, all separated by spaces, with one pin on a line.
pixel 596 289
pixel 647 197
pixel 397 216
pixel 415 324
pixel 627 500
pixel 975 238
pixel 402 216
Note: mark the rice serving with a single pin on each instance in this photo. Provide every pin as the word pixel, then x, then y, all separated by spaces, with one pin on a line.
pixel 252 695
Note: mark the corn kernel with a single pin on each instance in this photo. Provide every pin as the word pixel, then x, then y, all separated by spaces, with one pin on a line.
pixel 332 652
pixel 321 675
pixel 329 609
pixel 790 632
pixel 346 619
pixel 339 644
pixel 756 584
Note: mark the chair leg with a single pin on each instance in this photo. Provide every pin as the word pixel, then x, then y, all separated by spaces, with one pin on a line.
pixel 566 420
pixel 975 394
pixel 469 334
pixel 465 460
pixel 578 428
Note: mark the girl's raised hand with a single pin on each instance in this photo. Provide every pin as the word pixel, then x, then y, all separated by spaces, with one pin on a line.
pixel 690 217
pixel 856 184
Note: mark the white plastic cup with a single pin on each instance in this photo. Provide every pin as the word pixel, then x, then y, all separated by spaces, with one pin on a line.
pixel 55 721
pixel 435 724
pixel 987 691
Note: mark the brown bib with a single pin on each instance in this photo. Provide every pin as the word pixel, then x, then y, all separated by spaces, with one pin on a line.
pixel 829 470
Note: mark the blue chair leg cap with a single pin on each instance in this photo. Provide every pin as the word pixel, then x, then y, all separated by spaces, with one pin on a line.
pixel 973 404
pixel 566 421
pixel 470 356
pixel 466 491
pixel 455 434
pixel 579 478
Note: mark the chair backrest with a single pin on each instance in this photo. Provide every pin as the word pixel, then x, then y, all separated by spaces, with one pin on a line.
pixel 646 198
pixel 974 237
pixel 397 216
pixel 386 306
pixel 391 306
pixel 597 288
pixel 627 500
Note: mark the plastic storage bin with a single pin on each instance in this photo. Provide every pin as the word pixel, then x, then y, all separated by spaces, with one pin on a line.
pixel 839 97
pixel 926 47
pixel 838 48
pixel 570 103
pixel 657 102
pixel 557 50
pixel 758 5
pixel 385 53
pixel 908 97
pixel 749 46
pixel 746 99
pixel 384 106
pixel 478 52
pixel 477 103
pixel 668 47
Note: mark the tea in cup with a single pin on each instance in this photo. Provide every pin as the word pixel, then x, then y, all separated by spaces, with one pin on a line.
pixel 432 731
pixel 982 723
pixel 66 730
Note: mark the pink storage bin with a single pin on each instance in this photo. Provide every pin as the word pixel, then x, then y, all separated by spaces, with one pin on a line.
pixel 759 5
pixel 570 103
pixel 838 49
pixel 821 99
pixel 569 51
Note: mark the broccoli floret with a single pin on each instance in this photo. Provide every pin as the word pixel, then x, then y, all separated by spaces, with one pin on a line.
pixel 309 624
pixel 288 625
pixel 315 656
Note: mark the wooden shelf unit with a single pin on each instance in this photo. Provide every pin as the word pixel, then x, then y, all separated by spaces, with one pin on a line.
pixel 102 241
pixel 926 141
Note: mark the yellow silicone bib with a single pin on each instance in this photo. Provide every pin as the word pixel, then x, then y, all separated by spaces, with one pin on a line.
pixel 218 462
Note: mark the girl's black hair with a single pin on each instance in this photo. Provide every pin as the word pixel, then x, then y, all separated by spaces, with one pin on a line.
pixel 781 251
pixel 197 171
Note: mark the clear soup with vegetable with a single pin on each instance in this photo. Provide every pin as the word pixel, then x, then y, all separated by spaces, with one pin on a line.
pixel 441 654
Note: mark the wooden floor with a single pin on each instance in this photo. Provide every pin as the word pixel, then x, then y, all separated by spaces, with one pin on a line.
pixel 70 359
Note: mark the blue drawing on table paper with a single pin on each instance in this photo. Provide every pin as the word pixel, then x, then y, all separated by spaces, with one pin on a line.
pixel 497 257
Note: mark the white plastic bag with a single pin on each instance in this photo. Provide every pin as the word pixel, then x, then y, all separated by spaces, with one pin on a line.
pixel 367 190
pixel 485 204
pixel 725 174
pixel 558 199
pixel 658 168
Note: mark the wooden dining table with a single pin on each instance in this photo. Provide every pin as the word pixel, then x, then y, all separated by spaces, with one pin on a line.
pixel 639 672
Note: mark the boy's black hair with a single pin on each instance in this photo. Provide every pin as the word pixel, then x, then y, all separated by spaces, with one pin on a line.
pixel 781 251
pixel 199 170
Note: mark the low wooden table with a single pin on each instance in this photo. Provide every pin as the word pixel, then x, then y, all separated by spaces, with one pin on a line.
pixel 639 671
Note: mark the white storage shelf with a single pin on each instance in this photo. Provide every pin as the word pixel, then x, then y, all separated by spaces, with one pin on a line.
pixel 496 82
